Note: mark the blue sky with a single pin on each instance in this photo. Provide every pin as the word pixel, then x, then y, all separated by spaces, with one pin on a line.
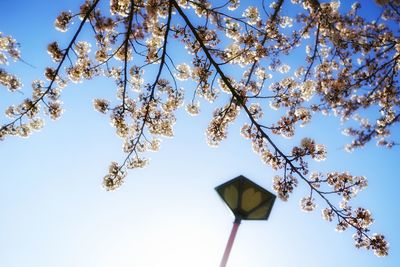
pixel 55 213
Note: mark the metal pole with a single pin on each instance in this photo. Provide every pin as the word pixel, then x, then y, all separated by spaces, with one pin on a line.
pixel 229 245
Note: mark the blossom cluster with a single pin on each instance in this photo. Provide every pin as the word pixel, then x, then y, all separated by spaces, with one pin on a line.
pixel 283 186
pixel 9 47
pixel 218 128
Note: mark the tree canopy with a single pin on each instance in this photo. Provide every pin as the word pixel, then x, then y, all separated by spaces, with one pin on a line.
pixel 278 63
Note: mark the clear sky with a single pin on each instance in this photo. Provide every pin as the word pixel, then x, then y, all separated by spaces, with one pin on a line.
pixel 54 212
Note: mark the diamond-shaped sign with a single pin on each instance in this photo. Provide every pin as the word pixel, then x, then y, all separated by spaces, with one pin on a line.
pixel 246 199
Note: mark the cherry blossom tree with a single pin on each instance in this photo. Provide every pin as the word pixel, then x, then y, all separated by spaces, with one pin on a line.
pixel 347 64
